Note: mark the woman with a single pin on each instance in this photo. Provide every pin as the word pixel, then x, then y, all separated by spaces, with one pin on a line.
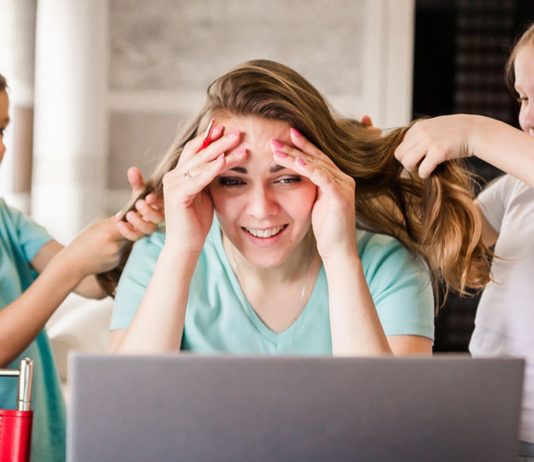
pixel 282 267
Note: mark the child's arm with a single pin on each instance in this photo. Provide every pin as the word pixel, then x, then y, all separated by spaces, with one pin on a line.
pixel 88 286
pixel 433 141
pixel 94 250
pixel 135 225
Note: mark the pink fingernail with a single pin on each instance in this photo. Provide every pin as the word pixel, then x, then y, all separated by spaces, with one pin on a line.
pixel 234 134
pixel 280 153
pixel 277 143
pixel 301 162
pixel 295 132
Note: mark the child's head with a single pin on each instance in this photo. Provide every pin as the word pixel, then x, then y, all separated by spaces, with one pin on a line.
pixel 4 114
pixel 520 78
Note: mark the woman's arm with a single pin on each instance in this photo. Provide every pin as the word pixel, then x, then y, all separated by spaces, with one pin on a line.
pixel 355 326
pixel 159 321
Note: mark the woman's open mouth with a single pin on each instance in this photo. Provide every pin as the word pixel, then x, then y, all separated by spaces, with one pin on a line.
pixel 266 232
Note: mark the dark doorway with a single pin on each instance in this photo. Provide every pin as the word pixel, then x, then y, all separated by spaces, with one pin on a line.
pixel 461 47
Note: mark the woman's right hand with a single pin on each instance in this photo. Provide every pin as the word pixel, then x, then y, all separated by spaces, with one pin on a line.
pixel 187 203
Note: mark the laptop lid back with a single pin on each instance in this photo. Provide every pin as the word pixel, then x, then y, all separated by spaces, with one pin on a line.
pixel 199 408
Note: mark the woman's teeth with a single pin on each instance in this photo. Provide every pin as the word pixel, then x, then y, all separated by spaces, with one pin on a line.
pixel 265 233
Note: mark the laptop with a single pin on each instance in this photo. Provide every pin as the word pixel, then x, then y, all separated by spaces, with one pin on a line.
pixel 182 407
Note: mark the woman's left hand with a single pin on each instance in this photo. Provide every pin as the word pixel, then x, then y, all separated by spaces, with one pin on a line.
pixel 334 211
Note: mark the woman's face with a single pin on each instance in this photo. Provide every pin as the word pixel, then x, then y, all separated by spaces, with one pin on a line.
pixel 524 85
pixel 263 208
pixel 4 120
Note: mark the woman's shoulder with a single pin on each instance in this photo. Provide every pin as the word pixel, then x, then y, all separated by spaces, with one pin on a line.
pixel 370 243
pixel 380 251
pixel 147 248
pixel 390 268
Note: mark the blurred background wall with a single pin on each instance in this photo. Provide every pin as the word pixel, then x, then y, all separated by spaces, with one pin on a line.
pixel 99 85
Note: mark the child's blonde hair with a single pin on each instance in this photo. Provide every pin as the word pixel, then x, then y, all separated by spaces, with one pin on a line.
pixel 527 38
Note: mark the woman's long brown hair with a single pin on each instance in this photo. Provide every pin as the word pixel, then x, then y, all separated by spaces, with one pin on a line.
pixel 434 218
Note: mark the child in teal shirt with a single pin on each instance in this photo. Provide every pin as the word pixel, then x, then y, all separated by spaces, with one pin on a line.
pixel 36 274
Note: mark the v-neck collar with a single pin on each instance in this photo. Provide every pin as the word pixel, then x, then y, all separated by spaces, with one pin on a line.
pixel 288 334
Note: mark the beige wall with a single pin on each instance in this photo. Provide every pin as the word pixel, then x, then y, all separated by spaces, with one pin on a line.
pixel 138 138
pixel 356 52
pixel 143 68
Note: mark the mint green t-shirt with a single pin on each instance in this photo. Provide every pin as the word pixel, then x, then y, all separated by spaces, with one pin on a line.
pixel 219 318
pixel 20 241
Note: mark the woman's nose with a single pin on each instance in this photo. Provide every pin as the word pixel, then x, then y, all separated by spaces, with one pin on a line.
pixel 261 204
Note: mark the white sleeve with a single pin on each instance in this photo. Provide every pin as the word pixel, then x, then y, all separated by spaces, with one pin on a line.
pixel 495 198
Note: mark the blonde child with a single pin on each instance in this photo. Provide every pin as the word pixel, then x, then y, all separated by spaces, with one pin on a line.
pixel 504 323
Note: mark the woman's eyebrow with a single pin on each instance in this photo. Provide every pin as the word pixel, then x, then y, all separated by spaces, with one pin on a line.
pixel 274 169
pixel 242 170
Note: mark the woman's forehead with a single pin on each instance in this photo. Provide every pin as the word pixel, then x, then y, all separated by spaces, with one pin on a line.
pixel 255 128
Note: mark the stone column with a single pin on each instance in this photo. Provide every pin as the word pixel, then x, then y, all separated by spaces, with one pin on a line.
pixel 17 55
pixel 71 142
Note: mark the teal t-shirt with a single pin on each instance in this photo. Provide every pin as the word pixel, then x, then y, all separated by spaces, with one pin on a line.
pixel 20 241
pixel 220 319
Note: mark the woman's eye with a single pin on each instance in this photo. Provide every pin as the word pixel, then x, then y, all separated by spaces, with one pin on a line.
pixel 231 181
pixel 289 180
